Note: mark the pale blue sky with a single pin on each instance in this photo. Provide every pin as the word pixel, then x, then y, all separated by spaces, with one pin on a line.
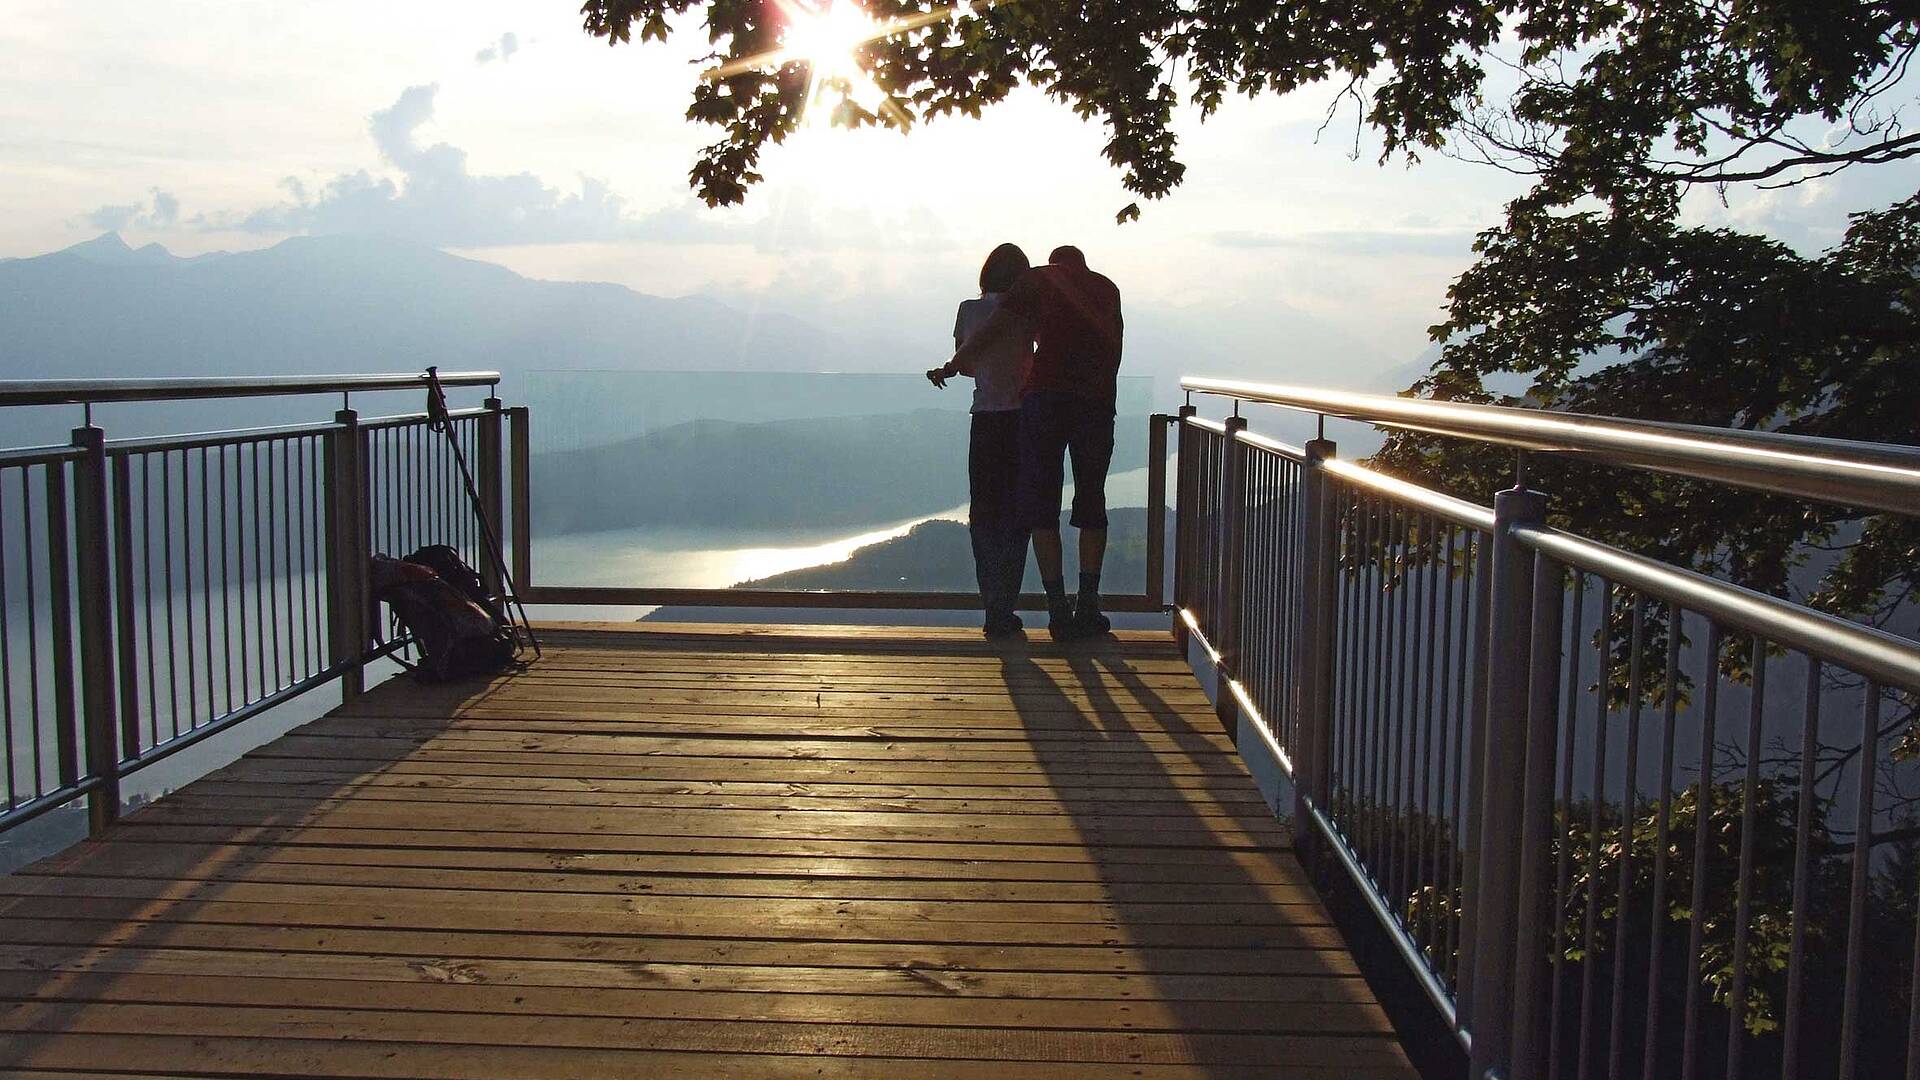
pixel 208 125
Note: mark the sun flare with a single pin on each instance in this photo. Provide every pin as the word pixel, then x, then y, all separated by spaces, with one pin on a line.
pixel 826 36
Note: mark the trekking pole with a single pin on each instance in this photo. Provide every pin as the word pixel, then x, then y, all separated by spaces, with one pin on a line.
pixel 438 420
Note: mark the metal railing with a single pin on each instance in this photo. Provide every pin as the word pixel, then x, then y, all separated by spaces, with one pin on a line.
pixel 1152 598
pixel 1619 818
pixel 160 590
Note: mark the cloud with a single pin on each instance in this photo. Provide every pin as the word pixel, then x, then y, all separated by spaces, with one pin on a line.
pixel 428 194
pixel 501 50
pixel 160 213
pixel 437 199
pixel 1357 241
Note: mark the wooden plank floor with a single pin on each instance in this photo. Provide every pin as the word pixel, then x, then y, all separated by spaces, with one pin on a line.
pixel 710 852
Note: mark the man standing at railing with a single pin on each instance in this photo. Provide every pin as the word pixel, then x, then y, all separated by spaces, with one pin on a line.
pixel 1072 314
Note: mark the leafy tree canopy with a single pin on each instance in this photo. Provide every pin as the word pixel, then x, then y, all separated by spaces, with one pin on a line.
pixel 1591 291
pixel 1610 96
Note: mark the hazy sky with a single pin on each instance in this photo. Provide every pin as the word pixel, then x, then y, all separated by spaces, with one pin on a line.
pixel 501 131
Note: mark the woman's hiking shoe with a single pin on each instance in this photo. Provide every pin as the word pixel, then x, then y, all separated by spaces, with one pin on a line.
pixel 1004 626
pixel 1060 620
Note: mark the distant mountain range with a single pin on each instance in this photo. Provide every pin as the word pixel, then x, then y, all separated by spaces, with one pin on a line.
pixel 361 303
pixel 814 472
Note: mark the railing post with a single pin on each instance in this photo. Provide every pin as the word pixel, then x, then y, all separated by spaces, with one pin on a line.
pixel 490 479
pixel 93 579
pixel 1313 639
pixel 60 560
pixel 1509 658
pixel 1186 509
pixel 1157 508
pixel 1535 919
pixel 128 704
pixel 1232 570
pixel 520 466
pixel 347 553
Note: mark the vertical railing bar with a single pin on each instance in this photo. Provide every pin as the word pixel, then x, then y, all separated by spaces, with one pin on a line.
pixel 1353 786
pixel 6 651
pixel 1393 748
pixel 1447 849
pixel 1339 720
pixel 1802 883
pixel 1231 570
pixel 1370 731
pixel 1658 915
pixel 242 471
pixel 1563 863
pixel 1743 904
pixel 1427 871
pixel 262 572
pixel 1603 637
pixel 1386 731
pixel 1419 735
pixel 312 548
pixel 304 583
pixel 1414 807
pixel 166 579
pixel 60 647
pixel 399 509
pixel 1360 527
pixel 1338 696
pixel 271 585
pixel 1702 814
pixel 124 634
pixel 226 585
pixel 1408 741
pixel 1476 716
pixel 1861 882
pixel 1260 615
pixel 206 585
pixel 1629 804
pixel 146 594
pixel 417 493
pixel 1386 734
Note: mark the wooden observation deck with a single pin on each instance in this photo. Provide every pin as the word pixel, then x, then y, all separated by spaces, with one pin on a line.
pixel 708 852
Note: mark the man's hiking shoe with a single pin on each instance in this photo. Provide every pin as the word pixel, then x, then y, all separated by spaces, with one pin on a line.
pixel 1060 621
pixel 1002 627
pixel 1089 624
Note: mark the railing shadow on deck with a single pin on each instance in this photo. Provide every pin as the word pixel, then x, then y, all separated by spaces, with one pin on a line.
pixel 1246 928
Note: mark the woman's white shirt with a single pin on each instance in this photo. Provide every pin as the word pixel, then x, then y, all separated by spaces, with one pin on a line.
pixel 1001 372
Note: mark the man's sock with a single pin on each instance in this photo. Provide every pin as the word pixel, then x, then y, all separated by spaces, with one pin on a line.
pixel 1089 591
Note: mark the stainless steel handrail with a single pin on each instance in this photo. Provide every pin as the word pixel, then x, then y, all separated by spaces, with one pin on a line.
pixel 1458 511
pixel 95 391
pixel 1881 656
pixel 1866 475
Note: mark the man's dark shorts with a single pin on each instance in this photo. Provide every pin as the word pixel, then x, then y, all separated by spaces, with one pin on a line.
pixel 1053 423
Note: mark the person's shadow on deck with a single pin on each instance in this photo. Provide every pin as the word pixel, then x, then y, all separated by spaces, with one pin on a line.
pixel 1205 895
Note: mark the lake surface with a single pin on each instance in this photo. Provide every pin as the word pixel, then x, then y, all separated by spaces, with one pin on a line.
pixel 668 556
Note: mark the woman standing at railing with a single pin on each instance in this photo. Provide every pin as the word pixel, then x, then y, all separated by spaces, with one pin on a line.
pixel 993 452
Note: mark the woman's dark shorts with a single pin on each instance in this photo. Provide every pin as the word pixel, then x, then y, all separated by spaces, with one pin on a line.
pixel 1053 423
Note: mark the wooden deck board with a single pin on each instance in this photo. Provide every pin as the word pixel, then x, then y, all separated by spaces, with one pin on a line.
pixel 710 851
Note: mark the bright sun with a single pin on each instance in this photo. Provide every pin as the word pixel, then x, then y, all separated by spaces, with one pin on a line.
pixel 826 35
